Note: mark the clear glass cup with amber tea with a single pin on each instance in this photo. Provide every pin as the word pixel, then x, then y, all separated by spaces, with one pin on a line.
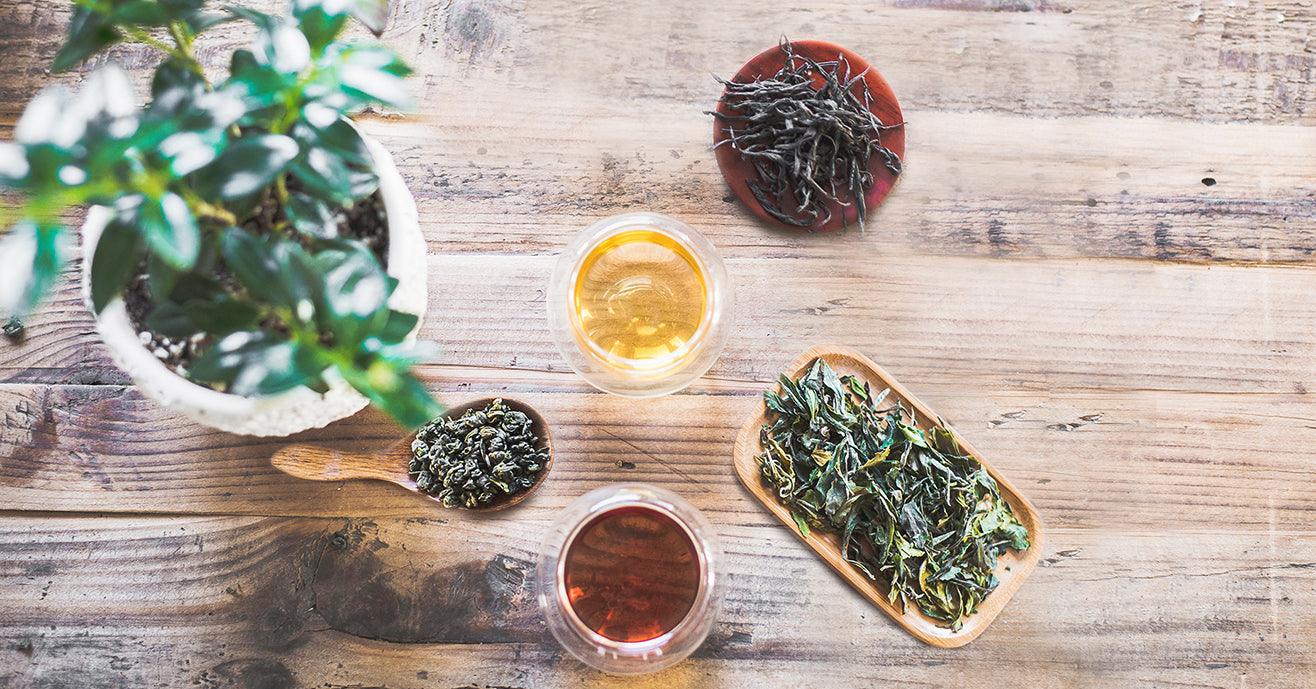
pixel 640 304
pixel 630 578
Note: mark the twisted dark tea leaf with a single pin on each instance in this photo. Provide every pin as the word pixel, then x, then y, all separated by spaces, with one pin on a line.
pixel 809 133
pixel 913 514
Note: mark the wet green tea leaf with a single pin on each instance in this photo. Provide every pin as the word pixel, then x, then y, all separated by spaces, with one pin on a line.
pixel 913 515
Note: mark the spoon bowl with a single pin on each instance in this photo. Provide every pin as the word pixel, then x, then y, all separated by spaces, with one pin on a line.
pixel 320 463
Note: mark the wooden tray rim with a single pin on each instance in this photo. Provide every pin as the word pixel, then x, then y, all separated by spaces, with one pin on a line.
pixel 914 621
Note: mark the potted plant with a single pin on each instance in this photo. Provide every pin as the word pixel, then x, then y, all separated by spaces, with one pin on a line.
pixel 236 252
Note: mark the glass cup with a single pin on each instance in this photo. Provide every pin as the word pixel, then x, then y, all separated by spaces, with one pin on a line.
pixel 596 590
pixel 640 304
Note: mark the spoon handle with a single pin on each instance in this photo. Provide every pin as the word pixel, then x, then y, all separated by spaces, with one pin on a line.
pixel 318 463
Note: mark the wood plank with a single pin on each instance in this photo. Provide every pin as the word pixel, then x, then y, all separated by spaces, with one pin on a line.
pixel 974 183
pixel 411 602
pixel 1054 324
pixel 1209 61
pixel 1060 191
pixel 1085 458
pixel 1097 268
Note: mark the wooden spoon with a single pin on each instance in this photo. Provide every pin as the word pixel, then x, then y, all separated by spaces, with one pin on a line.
pixel 318 463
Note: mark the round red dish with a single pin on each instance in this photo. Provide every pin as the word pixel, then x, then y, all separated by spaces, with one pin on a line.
pixel 738 171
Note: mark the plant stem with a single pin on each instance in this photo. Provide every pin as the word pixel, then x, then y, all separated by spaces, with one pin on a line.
pixel 211 210
pixel 183 38
pixel 141 36
pixel 281 189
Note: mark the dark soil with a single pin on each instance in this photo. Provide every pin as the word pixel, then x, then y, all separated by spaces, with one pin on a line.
pixel 366 221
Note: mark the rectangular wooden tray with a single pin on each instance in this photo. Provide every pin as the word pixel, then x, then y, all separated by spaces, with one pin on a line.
pixel 1012 567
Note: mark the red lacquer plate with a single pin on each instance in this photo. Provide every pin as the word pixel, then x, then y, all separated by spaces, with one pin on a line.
pixel 738 171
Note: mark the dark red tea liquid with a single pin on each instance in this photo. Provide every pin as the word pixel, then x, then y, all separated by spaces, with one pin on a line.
pixel 631 573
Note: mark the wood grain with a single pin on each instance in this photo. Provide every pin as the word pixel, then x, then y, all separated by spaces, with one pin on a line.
pixel 1097 266
pixel 421 602
pixel 1062 323
pixel 1209 61
pixel 1090 459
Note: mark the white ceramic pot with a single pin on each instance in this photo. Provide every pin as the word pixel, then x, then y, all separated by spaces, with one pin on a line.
pixel 285 413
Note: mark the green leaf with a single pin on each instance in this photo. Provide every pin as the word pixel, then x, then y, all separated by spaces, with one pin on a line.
pixel 372 13
pixel 311 216
pixel 182 103
pixel 246 167
pixel 184 99
pixel 319 26
pixel 355 291
pixel 171 320
pixel 89 32
pixel 278 44
pixel 374 74
pixel 188 152
pixel 174 74
pixel 317 383
pixel 398 326
pixel 253 263
pixel 109 103
pixel 193 286
pixel 276 272
pixel 302 283
pixel 217 315
pixel 800 523
pixel 261 88
pixel 33 257
pixel 253 363
pixel 170 230
pixel 340 138
pixel 161 278
pixel 224 316
pixel 392 388
pixel 334 163
pixel 117 256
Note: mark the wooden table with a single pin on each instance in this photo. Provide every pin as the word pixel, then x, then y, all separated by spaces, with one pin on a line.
pixel 1098 267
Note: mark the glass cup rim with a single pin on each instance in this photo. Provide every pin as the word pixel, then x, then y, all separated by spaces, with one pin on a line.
pixel 620 657
pixel 635 648
pixel 611 374
pixel 636 222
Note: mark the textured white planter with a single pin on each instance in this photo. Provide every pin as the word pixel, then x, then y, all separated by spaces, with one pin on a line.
pixel 285 413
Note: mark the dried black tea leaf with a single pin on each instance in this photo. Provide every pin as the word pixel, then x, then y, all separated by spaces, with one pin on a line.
pixel 913 514
pixel 809 134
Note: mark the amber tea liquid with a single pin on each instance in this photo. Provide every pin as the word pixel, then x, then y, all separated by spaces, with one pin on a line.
pixel 631 573
pixel 640 300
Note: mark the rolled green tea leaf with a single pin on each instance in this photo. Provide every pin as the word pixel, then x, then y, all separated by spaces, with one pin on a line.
pixel 485 454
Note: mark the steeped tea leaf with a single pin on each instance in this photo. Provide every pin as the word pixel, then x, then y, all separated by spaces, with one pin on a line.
pixel 913 514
